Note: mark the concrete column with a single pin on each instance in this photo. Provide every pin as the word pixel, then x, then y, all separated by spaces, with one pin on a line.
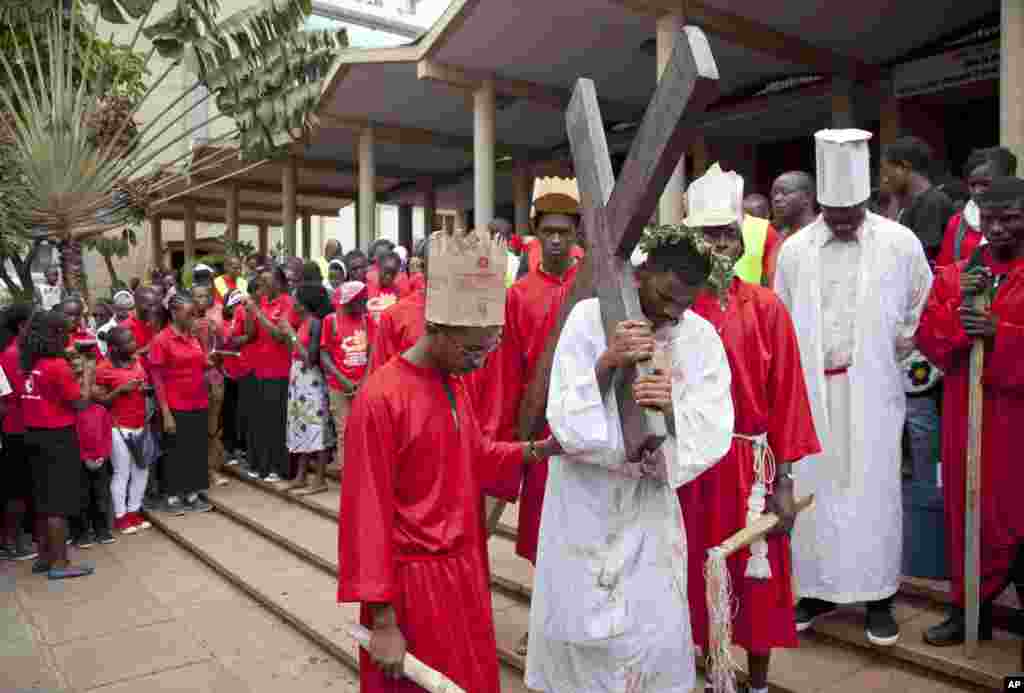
pixel 429 201
pixel 405 227
pixel 522 188
pixel 156 230
pixel 307 235
pixel 231 211
pixel 842 103
pixel 190 232
pixel 367 213
pixel 1011 77
pixel 288 206
pixel 483 154
pixel 670 207
pixel 460 220
pixel 264 239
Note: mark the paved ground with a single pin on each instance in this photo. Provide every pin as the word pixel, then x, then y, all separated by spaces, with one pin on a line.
pixel 153 618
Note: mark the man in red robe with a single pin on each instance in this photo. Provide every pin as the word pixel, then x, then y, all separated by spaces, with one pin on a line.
pixel 402 324
pixel 773 415
pixel 531 313
pixel 946 334
pixel 411 549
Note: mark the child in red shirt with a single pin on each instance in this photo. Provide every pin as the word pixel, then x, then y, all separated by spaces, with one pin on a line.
pixel 94 427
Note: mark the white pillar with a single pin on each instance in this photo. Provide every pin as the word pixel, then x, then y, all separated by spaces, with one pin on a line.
pixel 522 187
pixel 670 207
pixel 483 154
pixel 1011 88
pixel 367 190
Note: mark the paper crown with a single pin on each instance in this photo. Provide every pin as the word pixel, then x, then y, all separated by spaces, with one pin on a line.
pixel 466 283
pixel 843 167
pixel 554 195
pixel 715 199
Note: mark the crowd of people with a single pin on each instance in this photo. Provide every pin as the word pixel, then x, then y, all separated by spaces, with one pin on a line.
pixel 798 339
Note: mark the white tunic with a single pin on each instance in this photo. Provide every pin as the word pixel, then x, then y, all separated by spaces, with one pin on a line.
pixel 848 548
pixel 609 611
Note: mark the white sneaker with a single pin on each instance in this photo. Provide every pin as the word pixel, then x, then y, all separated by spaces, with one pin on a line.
pixel 252 474
pixel 232 462
pixel 272 478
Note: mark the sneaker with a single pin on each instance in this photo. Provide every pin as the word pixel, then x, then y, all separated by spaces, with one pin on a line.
pixel 881 627
pixel 952 631
pixel 198 506
pixel 272 478
pixel 233 461
pixel 72 571
pixel 40 566
pixel 105 537
pixel 252 474
pixel 809 609
pixel 86 540
pixel 125 524
pixel 21 552
pixel 174 506
pixel 140 521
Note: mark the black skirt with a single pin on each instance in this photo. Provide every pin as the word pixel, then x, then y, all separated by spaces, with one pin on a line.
pixel 56 470
pixel 268 420
pixel 17 484
pixel 185 454
pixel 248 401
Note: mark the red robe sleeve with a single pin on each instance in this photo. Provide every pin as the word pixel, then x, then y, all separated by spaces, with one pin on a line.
pixel 791 432
pixel 365 546
pixel 1004 366
pixel 940 336
pixel 384 346
pixel 945 256
pixel 499 465
pixel 771 242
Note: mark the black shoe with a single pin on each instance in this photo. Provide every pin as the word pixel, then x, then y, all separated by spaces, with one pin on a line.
pixel 880 627
pixel 40 566
pixel 952 631
pixel 85 540
pixel 174 506
pixel 809 609
pixel 105 537
pixel 20 552
pixel 199 505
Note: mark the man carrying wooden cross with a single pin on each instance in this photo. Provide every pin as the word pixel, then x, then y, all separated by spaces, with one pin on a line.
pixel 411 546
pixel 948 328
pixel 773 428
pixel 855 284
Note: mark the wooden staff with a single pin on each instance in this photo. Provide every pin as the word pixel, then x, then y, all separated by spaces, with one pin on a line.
pixel 718 596
pixel 972 516
pixel 419 673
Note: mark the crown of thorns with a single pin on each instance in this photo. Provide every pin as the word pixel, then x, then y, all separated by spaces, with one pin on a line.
pixel 722 273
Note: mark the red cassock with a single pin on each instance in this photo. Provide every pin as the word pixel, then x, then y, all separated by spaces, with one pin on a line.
pixel 941 338
pixel 947 254
pixel 399 329
pixel 769 396
pixel 416 466
pixel 531 313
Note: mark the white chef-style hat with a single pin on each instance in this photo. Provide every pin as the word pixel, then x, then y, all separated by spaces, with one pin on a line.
pixel 843 167
pixel 715 199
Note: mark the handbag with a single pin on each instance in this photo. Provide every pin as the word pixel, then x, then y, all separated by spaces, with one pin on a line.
pixel 142 447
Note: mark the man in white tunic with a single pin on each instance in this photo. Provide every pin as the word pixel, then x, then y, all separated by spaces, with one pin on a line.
pixel 609 611
pixel 856 284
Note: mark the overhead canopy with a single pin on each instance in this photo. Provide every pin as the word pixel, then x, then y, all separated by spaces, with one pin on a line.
pixel 418 96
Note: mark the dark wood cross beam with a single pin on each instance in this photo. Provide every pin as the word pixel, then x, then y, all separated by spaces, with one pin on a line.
pixel 615 214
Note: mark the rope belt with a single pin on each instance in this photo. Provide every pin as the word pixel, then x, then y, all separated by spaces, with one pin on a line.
pixel 829 372
pixel 764 477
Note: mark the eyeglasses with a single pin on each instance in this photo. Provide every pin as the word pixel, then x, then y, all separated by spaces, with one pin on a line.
pixel 475 353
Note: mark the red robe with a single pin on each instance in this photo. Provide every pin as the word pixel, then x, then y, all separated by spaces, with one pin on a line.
pixel 415 469
pixel 531 312
pixel 972 239
pixel 941 338
pixel 769 396
pixel 399 329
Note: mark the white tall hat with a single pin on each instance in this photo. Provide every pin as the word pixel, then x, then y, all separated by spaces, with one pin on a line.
pixel 843 167
pixel 715 199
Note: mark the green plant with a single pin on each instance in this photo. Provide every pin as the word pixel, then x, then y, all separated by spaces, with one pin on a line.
pixel 237 248
pixel 110 247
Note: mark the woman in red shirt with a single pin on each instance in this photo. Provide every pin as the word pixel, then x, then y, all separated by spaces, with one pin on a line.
pixel 310 433
pixel 177 362
pixel 237 369
pixel 50 398
pixel 17 487
pixel 120 384
pixel 272 365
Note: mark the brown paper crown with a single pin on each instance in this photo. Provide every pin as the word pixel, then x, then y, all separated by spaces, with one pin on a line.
pixel 556 203
pixel 466 282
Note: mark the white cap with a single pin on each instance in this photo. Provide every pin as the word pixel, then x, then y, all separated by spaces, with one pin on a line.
pixel 843 167
pixel 715 199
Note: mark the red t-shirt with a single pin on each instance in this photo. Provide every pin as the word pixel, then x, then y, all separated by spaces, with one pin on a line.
pixel 181 361
pixel 84 336
pixel 272 359
pixel 347 339
pixel 128 410
pixel 95 433
pixel 381 299
pixel 13 420
pixel 50 388
pixel 303 333
pixel 238 366
pixel 417 282
pixel 142 331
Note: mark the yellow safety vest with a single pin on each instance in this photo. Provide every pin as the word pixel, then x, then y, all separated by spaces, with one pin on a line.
pixel 751 264
pixel 222 286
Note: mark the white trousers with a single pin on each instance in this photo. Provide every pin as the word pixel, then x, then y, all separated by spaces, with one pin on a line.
pixel 128 484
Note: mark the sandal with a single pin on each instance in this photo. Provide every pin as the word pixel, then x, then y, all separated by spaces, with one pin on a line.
pixel 521 646
pixel 71 571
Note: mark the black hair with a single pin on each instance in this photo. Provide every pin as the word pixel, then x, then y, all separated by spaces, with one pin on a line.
pixel 256 283
pixel 279 275
pixel 202 278
pixel 11 320
pixel 914 151
pixel 420 248
pixel 46 336
pixel 1001 159
pixel 379 242
pixel 352 255
pixel 179 298
pixel 1005 191
pixel 311 273
pixel 314 298
pixel 71 298
pixel 390 257
pixel 115 335
pixel 955 189
pixel 683 260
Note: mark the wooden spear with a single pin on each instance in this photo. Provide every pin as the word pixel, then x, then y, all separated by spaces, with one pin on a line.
pixel 416 671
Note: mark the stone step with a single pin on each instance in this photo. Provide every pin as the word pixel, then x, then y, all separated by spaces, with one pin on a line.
pixel 298 591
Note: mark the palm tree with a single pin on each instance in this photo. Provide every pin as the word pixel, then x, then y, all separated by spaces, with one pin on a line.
pixel 81 164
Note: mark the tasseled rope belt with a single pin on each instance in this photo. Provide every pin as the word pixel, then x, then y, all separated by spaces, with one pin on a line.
pixel 764 479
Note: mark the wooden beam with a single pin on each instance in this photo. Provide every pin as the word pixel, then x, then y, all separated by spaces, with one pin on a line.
pixel 308 191
pixel 157 239
pixel 231 211
pixel 190 232
pixel 454 17
pixel 210 207
pixel 263 238
pixel 307 235
pixel 288 203
pixel 762 38
pixel 462 78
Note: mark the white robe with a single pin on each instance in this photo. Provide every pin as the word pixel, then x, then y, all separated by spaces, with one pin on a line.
pixel 848 548
pixel 609 611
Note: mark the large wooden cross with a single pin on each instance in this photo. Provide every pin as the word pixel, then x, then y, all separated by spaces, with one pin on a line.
pixel 615 214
